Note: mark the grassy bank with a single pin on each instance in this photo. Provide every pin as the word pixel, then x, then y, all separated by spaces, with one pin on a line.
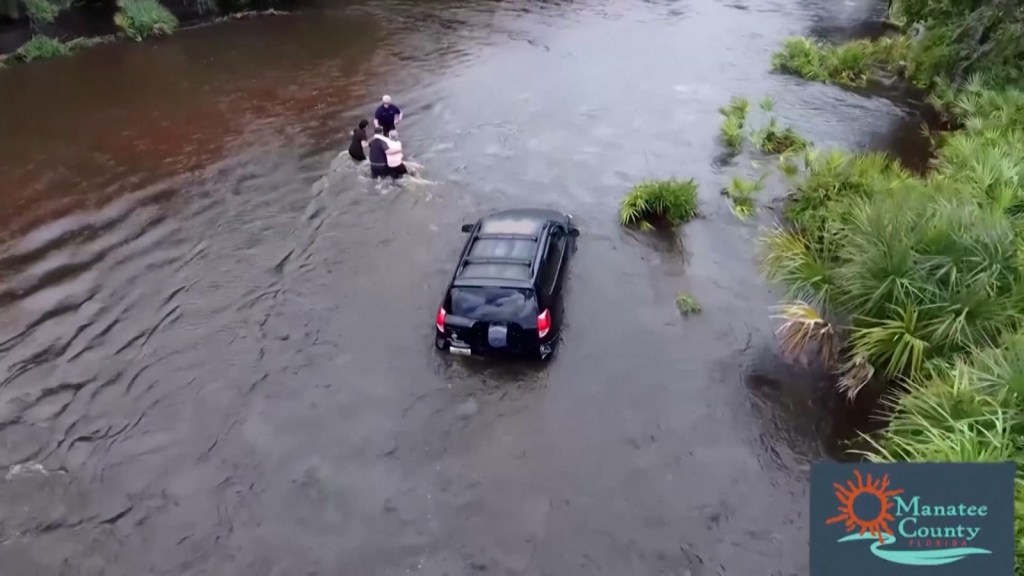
pixel 136 20
pixel 917 283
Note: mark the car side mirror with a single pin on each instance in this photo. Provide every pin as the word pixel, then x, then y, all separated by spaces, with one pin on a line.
pixel 467 228
pixel 574 232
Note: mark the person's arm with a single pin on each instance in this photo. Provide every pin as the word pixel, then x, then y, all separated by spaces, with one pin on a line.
pixel 398 116
pixel 376 118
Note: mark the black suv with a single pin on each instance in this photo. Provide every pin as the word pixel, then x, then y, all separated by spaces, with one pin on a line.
pixel 505 295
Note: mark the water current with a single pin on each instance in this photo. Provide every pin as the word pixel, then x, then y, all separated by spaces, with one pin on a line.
pixel 215 333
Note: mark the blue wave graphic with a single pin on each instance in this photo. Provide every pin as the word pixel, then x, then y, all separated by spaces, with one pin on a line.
pixel 935 557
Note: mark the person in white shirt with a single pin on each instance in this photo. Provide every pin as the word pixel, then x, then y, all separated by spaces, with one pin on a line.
pixel 395 156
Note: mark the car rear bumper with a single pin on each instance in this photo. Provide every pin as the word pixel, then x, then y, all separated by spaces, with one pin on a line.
pixel 542 349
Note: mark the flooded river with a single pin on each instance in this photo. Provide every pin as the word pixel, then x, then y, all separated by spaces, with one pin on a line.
pixel 216 334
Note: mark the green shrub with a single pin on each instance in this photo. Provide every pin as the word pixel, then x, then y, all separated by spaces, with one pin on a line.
pixel 672 200
pixel 919 273
pixel 140 19
pixel 40 47
pixel 42 11
pixel 833 180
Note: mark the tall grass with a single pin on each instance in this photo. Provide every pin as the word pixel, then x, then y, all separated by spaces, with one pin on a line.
pixel 139 19
pixel 674 201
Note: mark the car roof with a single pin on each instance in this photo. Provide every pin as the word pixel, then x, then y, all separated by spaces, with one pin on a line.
pixel 504 247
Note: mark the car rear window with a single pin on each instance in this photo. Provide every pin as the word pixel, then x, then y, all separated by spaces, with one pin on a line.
pixel 494 304
pixel 496 271
pixel 503 248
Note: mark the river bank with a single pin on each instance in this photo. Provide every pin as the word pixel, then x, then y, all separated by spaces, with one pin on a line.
pixel 916 283
pixel 48 30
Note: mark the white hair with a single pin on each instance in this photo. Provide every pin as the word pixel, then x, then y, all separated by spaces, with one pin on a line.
pixel 386 99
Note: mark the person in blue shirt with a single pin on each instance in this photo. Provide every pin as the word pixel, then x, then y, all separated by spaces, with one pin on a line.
pixel 387 115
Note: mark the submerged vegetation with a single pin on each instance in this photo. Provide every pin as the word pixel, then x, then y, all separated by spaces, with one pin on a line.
pixel 919 280
pixel 687 304
pixel 771 138
pixel 673 201
pixel 734 122
pixel 740 193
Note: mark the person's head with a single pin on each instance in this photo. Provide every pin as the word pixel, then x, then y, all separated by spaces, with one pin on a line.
pixel 363 124
pixel 393 134
pixel 386 100
pixel 378 130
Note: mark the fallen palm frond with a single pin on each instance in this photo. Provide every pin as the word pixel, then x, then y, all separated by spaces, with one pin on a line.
pixel 804 328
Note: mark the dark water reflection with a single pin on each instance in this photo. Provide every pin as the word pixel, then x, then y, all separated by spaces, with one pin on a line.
pixel 216 335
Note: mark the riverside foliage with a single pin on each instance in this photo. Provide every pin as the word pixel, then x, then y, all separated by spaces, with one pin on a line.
pixel 674 201
pixel 139 19
pixel 920 280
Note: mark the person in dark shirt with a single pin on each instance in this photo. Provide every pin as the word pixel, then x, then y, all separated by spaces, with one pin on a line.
pixel 355 149
pixel 387 115
pixel 379 155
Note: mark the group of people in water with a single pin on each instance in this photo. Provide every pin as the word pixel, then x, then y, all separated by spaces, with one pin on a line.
pixel 383 148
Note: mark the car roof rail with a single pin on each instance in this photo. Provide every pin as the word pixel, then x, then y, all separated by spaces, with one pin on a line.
pixel 499 260
pixel 486 236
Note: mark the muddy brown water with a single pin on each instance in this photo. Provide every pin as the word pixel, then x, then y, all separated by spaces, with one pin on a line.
pixel 216 333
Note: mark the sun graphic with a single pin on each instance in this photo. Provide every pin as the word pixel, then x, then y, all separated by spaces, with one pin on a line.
pixel 877 488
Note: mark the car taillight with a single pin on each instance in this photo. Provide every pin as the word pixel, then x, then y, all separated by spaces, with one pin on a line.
pixel 439 322
pixel 543 323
